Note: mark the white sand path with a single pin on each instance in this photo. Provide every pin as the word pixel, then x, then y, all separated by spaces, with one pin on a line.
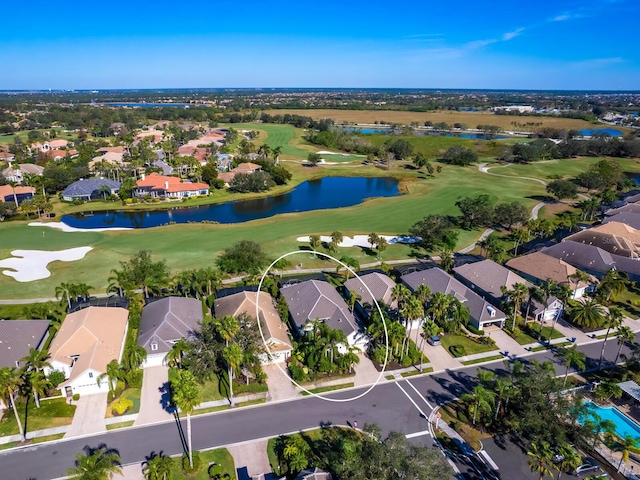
pixel 66 228
pixel 362 240
pixel 31 265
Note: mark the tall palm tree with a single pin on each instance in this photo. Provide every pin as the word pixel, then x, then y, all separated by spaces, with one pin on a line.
pixel 100 463
pixel 577 277
pixel 572 357
pixel 625 335
pixel 176 354
pixel 546 290
pixel 134 356
pixel 36 360
pixel 400 293
pixel 275 153
pixel 157 466
pixel 264 149
pixel 233 356
pixel 588 313
pixel 66 290
pixel 480 399
pixel 614 320
pixel 412 310
pixel 503 390
pixel 422 293
pixel 517 295
pixel 613 283
pixel 10 383
pixel 570 459
pixel 185 393
pixel 13 185
pixel 540 459
pixel 227 327
pixel 38 383
pixel 113 374
pixel 629 443
pixel 373 239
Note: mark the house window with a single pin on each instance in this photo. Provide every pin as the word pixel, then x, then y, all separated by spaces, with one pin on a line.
pixel 154 347
pixel 90 374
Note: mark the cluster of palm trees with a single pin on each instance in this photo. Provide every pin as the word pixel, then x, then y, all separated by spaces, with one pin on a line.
pixel 72 291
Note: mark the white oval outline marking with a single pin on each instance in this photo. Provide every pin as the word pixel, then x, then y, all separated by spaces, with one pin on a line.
pixel 384 323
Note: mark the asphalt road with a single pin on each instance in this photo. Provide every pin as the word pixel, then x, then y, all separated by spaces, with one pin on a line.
pixel 393 405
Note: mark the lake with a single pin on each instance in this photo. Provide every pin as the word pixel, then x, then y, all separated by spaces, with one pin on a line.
pixel 608 131
pixel 435 133
pixel 320 194
pixel 147 105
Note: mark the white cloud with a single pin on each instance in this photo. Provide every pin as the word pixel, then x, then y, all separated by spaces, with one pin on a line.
pixel 509 35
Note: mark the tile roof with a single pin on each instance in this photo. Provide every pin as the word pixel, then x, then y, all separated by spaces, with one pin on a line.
pixel 628 218
pixel 169 184
pixel 603 238
pixel 273 328
pixel 30 168
pixel 167 320
pixel 379 284
pixel 8 191
pixel 440 281
pixel 95 334
pixel 543 267
pixel 17 337
pixel 247 167
pixel 631 207
pixel 58 143
pixel 315 299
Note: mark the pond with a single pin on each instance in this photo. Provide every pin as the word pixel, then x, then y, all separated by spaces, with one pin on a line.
pixel 602 131
pixel 320 194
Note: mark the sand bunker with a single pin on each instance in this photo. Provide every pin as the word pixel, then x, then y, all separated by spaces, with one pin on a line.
pixel 66 228
pixel 362 240
pixel 31 265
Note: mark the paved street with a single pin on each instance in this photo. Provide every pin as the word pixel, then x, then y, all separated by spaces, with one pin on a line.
pixel 393 405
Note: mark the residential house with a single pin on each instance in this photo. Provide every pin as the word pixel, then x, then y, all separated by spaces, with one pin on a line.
pixel 120 150
pixel 7 157
pixel 628 218
pixel 614 237
pixel 247 168
pixel 629 208
pixel 594 260
pixel 481 313
pixel 317 300
pixel 224 162
pixel 58 155
pixel 17 337
pixel 164 322
pixel 370 288
pixel 90 189
pixel 274 330
pixel 487 279
pixel 16 173
pixel 111 158
pixel 312 474
pixel 85 344
pixel 160 186
pixel 539 267
pixel 18 193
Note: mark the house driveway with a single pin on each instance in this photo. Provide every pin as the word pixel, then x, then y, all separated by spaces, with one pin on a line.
pixel 438 356
pixel 154 397
pixel 89 416
pixel 280 386
pixel 250 459
pixel 366 373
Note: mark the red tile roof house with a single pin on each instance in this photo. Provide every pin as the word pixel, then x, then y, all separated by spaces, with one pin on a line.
pixel 160 186
pixel 21 193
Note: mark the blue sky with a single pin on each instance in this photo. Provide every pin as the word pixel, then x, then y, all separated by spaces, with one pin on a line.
pixel 560 44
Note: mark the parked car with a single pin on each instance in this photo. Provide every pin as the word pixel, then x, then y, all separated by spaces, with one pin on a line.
pixel 588 465
pixel 434 340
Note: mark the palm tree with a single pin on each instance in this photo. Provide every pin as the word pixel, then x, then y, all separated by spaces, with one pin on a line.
pixel 227 327
pixel 185 393
pixel 628 444
pixel 540 459
pixel 264 149
pixel 572 357
pixel 579 276
pixel 100 463
pixel 337 237
pixel 233 356
pixel 38 383
pixel 382 245
pixel 13 188
pixel 157 466
pixel 36 360
pixel 533 294
pixel 570 459
pixel 373 239
pixel 517 295
pixel 134 356
pixel 613 283
pixel 412 310
pixel 503 390
pixel 447 260
pixel 422 293
pixel 275 153
pixel 314 242
pixel 479 399
pixel 176 354
pixel 588 313
pixel 614 320
pixel 10 382
pixel 351 262
pixel 546 290
pixel 66 290
pixel 113 374
pixel 625 335
pixel 353 298
pixel 400 293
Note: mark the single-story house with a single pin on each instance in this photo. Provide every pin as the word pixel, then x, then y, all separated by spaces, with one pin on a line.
pixel 58 155
pixel 318 300
pixel 539 267
pixel 380 285
pixel 111 158
pixel 614 237
pixel 85 344
pixel 481 313
pixel 628 218
pixel 274 330
pixel 161 186
pixel 164 322
pixel 11 194
pixel 16 173
pixel 119 150
pixel 17 337
pixel 90 188
pixel 488 277
pixel 628 208
pixel 7 157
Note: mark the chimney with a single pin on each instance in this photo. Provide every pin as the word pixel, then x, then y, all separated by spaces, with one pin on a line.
pixel 166 184
pixel 142 176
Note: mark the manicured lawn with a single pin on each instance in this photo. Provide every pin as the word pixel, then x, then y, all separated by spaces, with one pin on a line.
pixel 449 340
pixel 52 413
pixel 484 359
pixel 132 394
pixel 116 426
pixel 629 301
pixel 211 390
pixel 288 137
pixel 565 168
pixel 530 335
pixel 328 389
pixel 223 464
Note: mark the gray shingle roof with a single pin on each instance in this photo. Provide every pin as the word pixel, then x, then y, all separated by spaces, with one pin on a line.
pixel 379 284
pixel 168 320
pixel 85 187
pixel 440 281
pixel 582 256
pixel 17 337
pixel 631 208
pixel 607 241
pixel 315 299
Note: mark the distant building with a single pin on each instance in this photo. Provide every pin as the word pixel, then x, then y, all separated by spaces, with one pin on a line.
pixel 16 173
pixel 160 186
pixel 90 189
pixel 21 193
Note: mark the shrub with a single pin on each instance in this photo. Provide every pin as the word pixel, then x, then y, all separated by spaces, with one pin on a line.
pixel 197 464
pixel 462 416
pixel 134 378
pixel 473 329
pixel 458 350
pixel 56 377
pixel 76 397
pixel 121 406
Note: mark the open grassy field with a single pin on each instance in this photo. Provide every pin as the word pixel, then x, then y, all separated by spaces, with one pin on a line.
pixel 434 146
pixel 24 135
pixel 287 137
pixel 550 169
pixel 472 119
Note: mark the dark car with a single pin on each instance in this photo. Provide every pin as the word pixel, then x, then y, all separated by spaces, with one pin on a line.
pixel 588 465
pixel 434 340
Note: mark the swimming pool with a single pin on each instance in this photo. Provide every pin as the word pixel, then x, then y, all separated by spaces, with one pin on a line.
pixel 624 425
